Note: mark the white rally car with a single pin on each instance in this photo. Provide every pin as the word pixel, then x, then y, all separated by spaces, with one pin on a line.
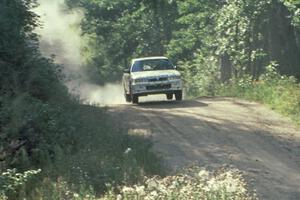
pixel 151 75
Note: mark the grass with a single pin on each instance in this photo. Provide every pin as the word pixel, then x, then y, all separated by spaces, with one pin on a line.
pixel 88 154
pixel 281 93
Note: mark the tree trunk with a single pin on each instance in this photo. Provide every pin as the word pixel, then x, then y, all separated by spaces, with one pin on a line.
pixel 226 68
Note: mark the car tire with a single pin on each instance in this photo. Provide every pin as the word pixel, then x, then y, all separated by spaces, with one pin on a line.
pixel 127 97
pixel 178 95
pixel 169 96
pixel 135 99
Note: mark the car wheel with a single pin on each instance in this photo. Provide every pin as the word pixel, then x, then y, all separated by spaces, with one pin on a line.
pixel 135 99
pixel 178 95
pixel 128 97
pixel 169 96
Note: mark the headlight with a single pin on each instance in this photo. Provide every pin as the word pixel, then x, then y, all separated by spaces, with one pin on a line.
pixel 174 78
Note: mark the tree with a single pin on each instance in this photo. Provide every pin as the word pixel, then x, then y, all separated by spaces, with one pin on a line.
pixel 117 31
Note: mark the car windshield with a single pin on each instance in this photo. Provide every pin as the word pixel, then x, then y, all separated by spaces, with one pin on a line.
pixel 152 65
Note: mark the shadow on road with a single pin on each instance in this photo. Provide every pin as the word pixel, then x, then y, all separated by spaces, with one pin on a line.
pixel 171 104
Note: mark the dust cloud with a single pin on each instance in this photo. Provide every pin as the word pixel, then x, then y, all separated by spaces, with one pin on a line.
pixel 61 39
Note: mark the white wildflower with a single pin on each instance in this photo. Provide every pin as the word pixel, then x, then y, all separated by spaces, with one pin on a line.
pixel 152 184
pixel 203 174
pixel 128 150
pixel 140 190
pixel 76 195
pixel 126 190
pixel 154 194
pixel 119 197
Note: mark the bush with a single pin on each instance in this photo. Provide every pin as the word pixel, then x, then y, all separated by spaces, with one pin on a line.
pixel 200 75
pixel 11 182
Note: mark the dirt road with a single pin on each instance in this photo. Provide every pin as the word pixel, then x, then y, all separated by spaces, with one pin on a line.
pixel 212 132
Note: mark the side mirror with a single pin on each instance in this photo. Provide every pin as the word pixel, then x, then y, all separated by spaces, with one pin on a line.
pixel 126 71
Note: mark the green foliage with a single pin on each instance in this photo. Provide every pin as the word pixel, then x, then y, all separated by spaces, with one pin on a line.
pixel 294 7
pixel 282 93
pixel 200 75
pixel 57 190
pixel 11 182
pixel 116 31
pixel 193 30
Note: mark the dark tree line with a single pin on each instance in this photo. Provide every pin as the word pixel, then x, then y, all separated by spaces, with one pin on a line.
pixel 242 35
pixel 31 94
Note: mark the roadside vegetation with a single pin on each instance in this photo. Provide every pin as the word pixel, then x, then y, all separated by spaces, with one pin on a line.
pixel 281 93
pixel 49 143
pixel 191 183
pixel 53 147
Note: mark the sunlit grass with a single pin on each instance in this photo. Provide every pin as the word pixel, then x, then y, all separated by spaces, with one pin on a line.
pixel 281 93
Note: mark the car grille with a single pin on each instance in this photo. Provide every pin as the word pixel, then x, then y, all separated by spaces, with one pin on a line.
pixel 158 87
pixel 157 79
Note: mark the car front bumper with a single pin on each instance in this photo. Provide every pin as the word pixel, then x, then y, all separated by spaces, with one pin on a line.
pixel 164 87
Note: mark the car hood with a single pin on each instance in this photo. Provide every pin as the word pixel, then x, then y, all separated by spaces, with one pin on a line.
pixel 157 73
